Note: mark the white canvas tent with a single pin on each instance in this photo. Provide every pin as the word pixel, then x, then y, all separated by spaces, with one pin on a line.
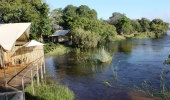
pixel 33 43
pixel 10 33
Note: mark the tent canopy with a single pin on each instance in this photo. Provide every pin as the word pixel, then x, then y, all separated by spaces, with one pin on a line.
pixel 10 33
pixel 33 43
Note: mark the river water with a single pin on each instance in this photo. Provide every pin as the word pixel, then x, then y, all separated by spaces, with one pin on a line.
pixel 135 71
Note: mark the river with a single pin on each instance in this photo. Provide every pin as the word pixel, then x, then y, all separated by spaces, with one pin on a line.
pixel 136 66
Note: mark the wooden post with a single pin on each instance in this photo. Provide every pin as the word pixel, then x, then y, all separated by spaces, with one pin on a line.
pixel 32 83
pixel 44 67
pixel 38 80
pixel 23 89
pixel 4 67
pixel 41 72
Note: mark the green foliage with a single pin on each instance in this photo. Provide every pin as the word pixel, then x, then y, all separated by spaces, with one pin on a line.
pixel 85 39
pixel 85 11
pixel 158 27
pixel 50 91
pixel 16 11
pixel 56 16
pixel 165 95
pixel 145 24
pixel 69 15
pixel 136 26
pixel 57 49
pixel 105 30
pixel 142 35
pixel 72 14
pixel 124 26
pixel 115 17
pixel 49 47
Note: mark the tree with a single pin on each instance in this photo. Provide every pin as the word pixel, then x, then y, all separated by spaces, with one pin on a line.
pixel 85 11
pixel 145 24
pixel 85 39
pixel 10 11
pixel 56 16
pixel 15 11
pixel 115 17
pixel 158 27
pixel 69 15
pixel 136 26
pixel 124 26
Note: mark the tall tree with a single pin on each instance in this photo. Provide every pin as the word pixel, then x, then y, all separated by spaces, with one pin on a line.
pixel 10 11
pixel 56 16
pixel 145 24
pixel 159 27
pixel 69 15
pixel 36 12
pixel 85 11
pixel 124 26
pixel 136 26
pixel 115 17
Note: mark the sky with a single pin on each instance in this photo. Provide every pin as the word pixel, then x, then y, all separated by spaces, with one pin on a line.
pixel 133 9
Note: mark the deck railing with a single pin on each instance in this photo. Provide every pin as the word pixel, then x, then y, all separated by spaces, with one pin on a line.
pixel 34 69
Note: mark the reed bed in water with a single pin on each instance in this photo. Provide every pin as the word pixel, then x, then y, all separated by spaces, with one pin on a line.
pixel 103 56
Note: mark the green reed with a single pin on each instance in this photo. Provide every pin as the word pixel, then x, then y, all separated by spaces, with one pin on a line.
pixel 49 91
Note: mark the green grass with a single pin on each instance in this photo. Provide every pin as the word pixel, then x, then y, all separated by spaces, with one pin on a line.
pixel 164 95
pixel 59 50
pixel 144 35
pixel 50 91
pixel 118 38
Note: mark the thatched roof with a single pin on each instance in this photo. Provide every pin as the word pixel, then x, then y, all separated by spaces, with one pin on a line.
pixel 12 33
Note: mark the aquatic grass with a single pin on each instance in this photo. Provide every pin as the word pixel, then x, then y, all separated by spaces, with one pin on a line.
pixel 162 92
pixel 103 56
pixel 107 83
pixel 49 91
pixel 145 87
pixel 165 95
pixel 114 69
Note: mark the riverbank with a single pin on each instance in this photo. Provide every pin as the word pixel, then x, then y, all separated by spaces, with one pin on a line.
pixel 49 91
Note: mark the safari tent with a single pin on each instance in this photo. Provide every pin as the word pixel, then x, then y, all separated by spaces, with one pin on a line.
pixel 12 35
pixel 15 49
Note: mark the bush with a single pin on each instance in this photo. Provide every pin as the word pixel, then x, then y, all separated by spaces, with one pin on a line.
pixel 85 39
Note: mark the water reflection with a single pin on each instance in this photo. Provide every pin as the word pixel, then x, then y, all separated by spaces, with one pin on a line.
pixel 72 68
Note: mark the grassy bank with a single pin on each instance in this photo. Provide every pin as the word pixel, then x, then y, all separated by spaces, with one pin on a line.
pixel 50 91
pixel 141 35
pixel 56 49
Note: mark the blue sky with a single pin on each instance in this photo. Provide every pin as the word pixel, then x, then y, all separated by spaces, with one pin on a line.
pixel 134 9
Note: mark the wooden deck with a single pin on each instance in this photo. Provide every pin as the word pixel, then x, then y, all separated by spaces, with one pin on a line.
pixel 15 74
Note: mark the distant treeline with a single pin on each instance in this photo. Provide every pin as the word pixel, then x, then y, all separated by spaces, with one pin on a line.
pixel 87 30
